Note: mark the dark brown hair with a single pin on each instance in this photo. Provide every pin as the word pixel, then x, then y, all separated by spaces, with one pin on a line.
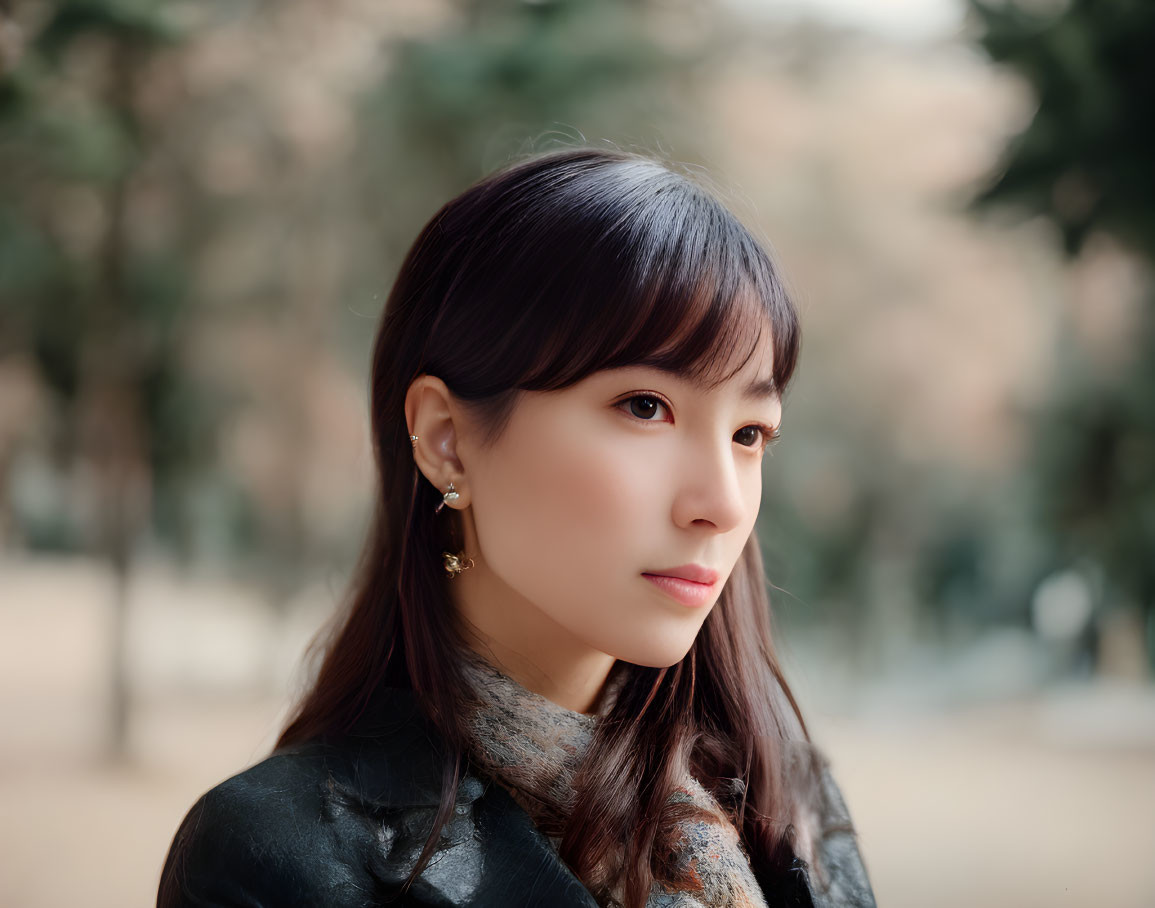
pixel 534 278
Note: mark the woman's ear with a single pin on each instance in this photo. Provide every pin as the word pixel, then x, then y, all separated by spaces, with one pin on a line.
pixel 435 417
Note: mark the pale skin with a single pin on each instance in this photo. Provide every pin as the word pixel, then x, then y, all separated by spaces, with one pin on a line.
pixel 587 488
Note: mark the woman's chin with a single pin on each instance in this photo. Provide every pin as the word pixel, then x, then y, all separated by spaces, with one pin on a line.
pixel 654 653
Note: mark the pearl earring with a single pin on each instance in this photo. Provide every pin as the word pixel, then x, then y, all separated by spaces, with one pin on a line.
pixel 450 494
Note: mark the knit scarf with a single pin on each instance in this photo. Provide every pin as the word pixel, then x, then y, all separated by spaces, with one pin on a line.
pixel 533 746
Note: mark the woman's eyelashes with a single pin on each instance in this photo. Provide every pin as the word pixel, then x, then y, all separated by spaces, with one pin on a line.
pixel 643 406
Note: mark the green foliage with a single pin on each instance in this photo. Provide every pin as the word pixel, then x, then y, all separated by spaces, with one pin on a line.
pixel 98 308
pixel 132 23
pixel 516 78
pixel 1085 160
pixel 1094 469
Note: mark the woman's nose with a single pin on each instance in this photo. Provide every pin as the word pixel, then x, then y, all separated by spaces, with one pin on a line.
pixel 710 489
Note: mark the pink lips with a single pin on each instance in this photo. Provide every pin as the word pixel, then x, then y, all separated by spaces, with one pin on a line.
pixel 691 584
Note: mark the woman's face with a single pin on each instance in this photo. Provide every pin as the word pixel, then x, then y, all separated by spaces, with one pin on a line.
pixel 631 471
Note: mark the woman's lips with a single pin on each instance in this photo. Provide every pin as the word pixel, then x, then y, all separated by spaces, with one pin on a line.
pixel 687 592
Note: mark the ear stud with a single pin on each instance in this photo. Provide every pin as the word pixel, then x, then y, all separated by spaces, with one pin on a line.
pixel 449 495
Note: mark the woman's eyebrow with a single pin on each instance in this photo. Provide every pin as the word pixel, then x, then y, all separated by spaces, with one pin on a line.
pixel 761 388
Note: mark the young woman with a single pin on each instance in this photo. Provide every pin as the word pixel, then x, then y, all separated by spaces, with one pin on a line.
pixel 555 682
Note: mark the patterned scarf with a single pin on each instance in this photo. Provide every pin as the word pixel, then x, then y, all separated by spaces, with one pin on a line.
pixel 533 747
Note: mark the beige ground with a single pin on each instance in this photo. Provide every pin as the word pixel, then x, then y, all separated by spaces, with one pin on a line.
pixel 1044 801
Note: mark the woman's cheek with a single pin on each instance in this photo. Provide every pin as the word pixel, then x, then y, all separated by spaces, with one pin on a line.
pixel 608 487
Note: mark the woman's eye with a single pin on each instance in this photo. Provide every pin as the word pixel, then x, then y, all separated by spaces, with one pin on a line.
pixel 764 435
pixel 643 406
pixel 752 434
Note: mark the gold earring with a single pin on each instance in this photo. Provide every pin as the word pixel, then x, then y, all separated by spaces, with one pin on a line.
pixel 413 439
pixel 455 564
pixel 450 494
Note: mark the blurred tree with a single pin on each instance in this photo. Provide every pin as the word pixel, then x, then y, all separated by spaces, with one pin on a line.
pixel 99 317
pixel 1086 162
pixel 510 77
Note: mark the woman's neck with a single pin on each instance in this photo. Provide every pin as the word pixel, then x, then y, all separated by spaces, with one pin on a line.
pixel 519 639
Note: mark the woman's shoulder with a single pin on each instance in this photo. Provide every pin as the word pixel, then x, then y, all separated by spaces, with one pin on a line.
pixel 272 834
pixel 329 821
pixel 343 823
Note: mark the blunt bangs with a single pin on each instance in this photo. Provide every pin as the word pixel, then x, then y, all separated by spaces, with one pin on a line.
pixel 606 261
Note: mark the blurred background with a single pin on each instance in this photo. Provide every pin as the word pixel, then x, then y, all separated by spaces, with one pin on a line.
pixel 203 204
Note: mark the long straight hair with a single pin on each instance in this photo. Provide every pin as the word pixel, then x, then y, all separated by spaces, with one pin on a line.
pixel 534 278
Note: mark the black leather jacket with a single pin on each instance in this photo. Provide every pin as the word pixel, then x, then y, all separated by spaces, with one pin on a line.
pixel 341 824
